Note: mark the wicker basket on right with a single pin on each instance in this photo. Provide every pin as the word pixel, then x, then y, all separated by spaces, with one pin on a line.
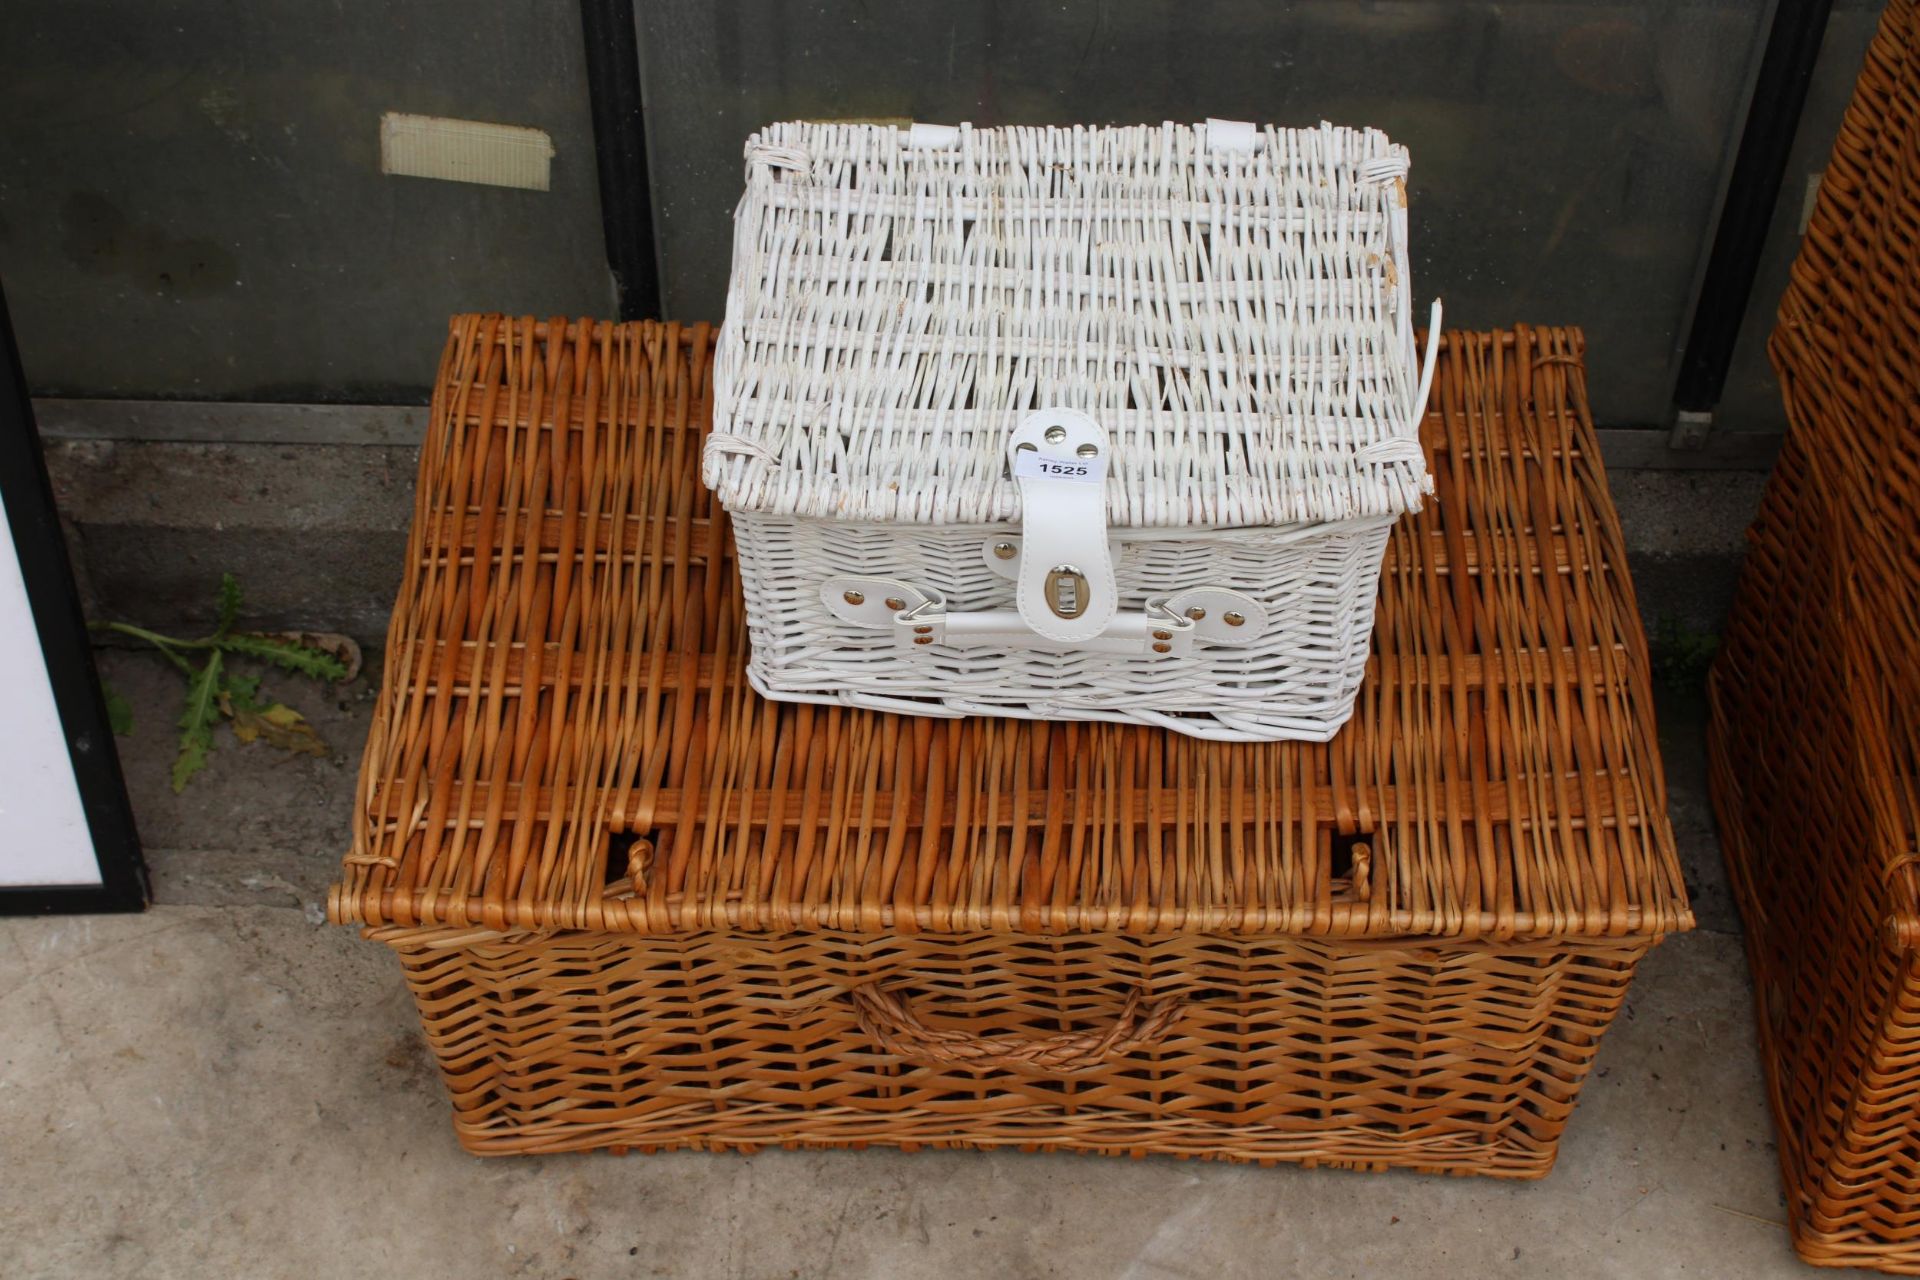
pixel 1814 753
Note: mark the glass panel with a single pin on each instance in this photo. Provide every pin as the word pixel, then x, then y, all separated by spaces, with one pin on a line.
pixel 191 202
pixel 1566 156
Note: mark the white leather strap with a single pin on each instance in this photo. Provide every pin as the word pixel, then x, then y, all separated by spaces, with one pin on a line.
pixel 1153 633
pixel 1213 616
pixel 1066 590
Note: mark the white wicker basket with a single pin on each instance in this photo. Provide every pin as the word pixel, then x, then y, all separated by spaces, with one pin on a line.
pixel 1088 423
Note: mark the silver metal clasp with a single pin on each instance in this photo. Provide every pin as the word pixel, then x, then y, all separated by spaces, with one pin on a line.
pixel 1066 591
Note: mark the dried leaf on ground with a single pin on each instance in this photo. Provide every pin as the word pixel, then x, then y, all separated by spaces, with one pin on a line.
pixel 277 725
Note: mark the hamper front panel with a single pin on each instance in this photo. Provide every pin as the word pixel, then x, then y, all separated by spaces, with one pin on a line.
pixel 1276 1048
pixel 1292 658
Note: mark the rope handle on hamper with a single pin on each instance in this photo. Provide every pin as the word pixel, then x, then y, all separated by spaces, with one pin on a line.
pixel 890 1020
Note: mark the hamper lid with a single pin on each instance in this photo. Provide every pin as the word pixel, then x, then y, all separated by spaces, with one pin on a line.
pixel 1231 304
pixel 566 737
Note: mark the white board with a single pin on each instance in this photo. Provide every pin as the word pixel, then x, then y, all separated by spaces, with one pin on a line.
pixel 43 829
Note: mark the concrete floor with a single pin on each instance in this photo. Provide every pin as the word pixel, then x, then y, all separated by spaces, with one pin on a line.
pixel 225 1086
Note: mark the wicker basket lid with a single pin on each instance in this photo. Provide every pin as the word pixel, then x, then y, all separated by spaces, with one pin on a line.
pixel 1231 304
pixel 566 738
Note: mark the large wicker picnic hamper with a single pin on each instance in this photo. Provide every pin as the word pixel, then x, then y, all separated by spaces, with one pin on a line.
pixel 1070 423
pixel 641 907
pixel 1813 779
pixel 1814 753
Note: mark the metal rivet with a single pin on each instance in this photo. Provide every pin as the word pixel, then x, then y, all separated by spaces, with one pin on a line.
pixel 1234 617
pixel 1056 434
pixel 1088 450
pixel 1163 635
pixel 923 639
pixel 1163 648
pixel 895 603
pixel 856 597
pixel 1005 550
pixel 923 631
pixel 1196 613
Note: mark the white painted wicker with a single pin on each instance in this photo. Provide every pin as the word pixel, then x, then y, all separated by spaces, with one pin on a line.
pixel 1088 423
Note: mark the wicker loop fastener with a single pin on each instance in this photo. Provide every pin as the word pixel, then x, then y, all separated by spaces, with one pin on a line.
pixel 889 1018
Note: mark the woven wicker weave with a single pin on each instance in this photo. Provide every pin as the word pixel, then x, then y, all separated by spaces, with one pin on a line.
pixel 640 906
pixel 1814 755
pixel 1847 345
pixel 1819 855
pixel 1225 314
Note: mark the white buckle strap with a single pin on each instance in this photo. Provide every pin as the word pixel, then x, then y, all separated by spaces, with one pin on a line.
pixel 1170 628
pixel 1155 632
pixel 1065 588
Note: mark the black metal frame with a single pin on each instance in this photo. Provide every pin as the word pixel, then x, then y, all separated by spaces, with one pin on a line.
pixel 1753 189
pixel 41 550
pixel 620 151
